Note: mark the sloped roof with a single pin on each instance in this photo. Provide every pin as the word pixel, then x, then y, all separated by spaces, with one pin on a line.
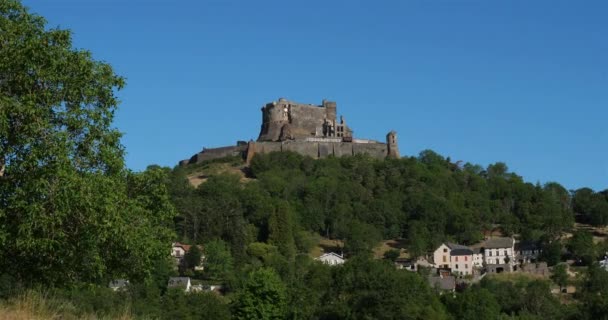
pixel 330 254
pixel 527 245
pixel 461 252
pixel 178 281
pixel 498 243
pixel 443 283
pixel 454 246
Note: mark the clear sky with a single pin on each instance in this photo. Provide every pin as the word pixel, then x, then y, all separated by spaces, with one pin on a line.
pixel 523 82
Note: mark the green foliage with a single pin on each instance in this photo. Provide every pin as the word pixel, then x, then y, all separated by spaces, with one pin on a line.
pixel 190 306
pixel 218 260
pixel 193 257
pixel 263 296
pixel 69 211
pixel 472 304
pixel 370 289
pixel 591 206
pixel 392 254
pixel 560 275
pixel 551 252
pixel 582 247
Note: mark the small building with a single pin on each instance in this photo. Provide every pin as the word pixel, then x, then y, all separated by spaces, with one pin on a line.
pixel 331 259
pixel 604 263
pixel 178 252
pixel 119 284
pixel 527 251
pixel 180 282
pixel 461 261
pixel 405 264
pixel 443 283
pixel 477 258
pixel 453 256
pixel 499 254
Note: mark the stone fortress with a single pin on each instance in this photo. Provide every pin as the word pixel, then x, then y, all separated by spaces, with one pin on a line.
pixel 307 129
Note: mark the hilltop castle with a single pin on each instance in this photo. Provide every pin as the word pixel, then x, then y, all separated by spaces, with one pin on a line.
pixel 311 130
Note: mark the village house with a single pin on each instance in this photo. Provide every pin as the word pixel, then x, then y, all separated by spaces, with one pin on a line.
pixel 442 283
pixel 457 258
pixel 119 284
pixel 499 254
pixel 179 251
pixel 410 264
pixel 180 282
pixel 331 259
pixel 527 251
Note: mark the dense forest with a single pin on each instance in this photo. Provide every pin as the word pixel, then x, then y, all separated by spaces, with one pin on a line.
pixel 73 217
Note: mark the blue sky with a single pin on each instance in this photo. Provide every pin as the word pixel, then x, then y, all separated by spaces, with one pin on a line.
pixel 523 82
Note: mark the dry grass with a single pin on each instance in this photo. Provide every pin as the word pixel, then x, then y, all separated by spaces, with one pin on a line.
pixel 387 245
pixel 213 169
pixel 326 245
pixel 36 306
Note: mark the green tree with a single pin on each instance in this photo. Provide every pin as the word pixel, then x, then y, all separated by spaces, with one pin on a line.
pixel 66 210
pixel 263 296
pixel 473 303
pixel 392 254
pixel 282 228
pixel 218 260
pixel 560 275
pixel 193 257
pixel 582 247
pixel 551 252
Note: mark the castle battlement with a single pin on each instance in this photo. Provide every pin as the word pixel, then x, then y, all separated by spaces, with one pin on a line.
pixel 308 129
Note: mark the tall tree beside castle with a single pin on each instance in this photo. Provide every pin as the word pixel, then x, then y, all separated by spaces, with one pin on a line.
pixel 69 210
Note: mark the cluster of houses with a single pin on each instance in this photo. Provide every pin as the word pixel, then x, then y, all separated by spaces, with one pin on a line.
pixel 448 262
pixel 451 261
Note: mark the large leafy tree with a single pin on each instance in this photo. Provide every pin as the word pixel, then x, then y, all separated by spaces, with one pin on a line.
pixel 69 211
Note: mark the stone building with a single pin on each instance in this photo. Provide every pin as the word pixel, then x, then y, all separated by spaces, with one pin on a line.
pixel 307 129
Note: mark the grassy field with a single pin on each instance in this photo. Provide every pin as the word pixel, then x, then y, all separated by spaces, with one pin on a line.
pixel 37 306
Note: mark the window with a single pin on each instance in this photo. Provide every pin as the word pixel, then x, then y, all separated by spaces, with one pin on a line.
pixel 466 258
pixel 445 259
pixel 457 266
pixel 504 252
pixel 456 259
pixel 490 253
pixel 445 250
pixel 466 266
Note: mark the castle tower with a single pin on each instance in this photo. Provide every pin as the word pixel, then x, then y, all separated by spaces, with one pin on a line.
pixel 274 116
pixel 391 142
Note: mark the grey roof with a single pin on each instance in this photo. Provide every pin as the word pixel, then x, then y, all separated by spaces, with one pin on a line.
pixel 119 283
pixel 443 283
pixel 527 245
pixel 178 281
pixel 454 246
pixel 461 252
pixel 498 243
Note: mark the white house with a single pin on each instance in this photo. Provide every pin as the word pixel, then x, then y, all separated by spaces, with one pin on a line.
pixel 477 258
pixel 180 282
pixel 499 251
pixel 119 284
pixel 331 259
pixel 179 250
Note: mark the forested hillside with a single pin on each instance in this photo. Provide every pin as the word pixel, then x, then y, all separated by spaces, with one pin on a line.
pixel 425 199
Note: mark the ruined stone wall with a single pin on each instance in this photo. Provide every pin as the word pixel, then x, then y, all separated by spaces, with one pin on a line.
pixel 216 153
pixel 319 150
pixel 307 121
